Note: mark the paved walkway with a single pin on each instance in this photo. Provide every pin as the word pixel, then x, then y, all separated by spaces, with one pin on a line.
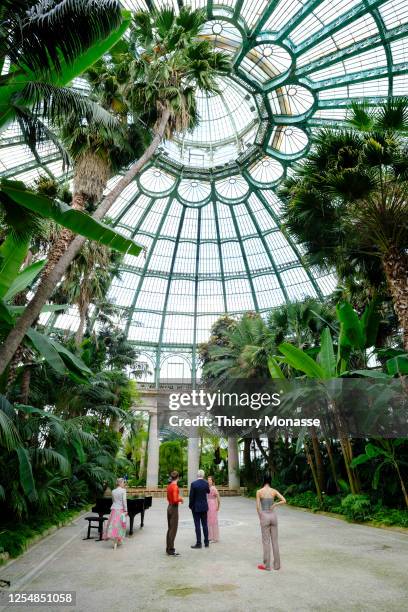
pixel 327 565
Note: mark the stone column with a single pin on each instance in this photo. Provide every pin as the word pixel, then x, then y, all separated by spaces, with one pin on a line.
pixel 233 463
pixel 193 458
pixel 152 477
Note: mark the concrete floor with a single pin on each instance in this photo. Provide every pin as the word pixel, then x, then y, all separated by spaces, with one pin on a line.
pixel 327 565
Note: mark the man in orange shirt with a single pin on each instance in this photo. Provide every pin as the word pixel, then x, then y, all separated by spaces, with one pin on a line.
pixel 174 500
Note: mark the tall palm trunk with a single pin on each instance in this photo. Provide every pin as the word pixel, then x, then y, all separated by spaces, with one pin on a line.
pixel 52 275
pixel 318 459
pixel 79 334
pixel 395 264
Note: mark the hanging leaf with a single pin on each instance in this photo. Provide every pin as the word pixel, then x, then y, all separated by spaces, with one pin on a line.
pixel 299 360
pixel 26 474
pixel 351 334
pixel 274 369
pixel 69 358
pixel 24 279
pixel 75 220
pixel 398 365
pixel 370 321
pixel 326 357
pixel 12 254
pixel 44 346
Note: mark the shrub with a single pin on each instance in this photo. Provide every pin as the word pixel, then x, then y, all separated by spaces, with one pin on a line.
pixel 357 507
pixel 391 516
pixel 305 500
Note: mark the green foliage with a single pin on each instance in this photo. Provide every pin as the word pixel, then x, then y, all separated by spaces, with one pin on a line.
pixel 171 458
pixel 171 64
pixel 16 536
pixel 75 220
pixel 357 507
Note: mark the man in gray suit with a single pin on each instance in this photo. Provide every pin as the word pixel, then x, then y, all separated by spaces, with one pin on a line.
pixel 199 507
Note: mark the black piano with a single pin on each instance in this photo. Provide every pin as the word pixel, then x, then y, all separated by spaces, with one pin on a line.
pixel 135 505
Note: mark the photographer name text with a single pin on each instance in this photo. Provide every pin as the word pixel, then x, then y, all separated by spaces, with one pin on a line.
pixel 232 421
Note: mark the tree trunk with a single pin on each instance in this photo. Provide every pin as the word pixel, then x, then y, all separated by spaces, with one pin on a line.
pixel 395 265
pixel 403 489
pixel 25 384
pixel 52 275
pixel 309 460
pixel 318 459
pixel 332 464
pixel 271 457
pixel 247 459
pixel 79 334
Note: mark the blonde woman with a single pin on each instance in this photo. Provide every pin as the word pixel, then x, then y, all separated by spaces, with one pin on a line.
pixel 265 506
pixel 116 526
pixel 213 500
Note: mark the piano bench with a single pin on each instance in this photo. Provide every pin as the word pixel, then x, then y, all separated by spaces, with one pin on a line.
pixel 95 519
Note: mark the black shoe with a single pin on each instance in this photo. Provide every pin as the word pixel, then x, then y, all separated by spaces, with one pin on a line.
pixel 207 545
pixel 196 546
pixel 173 554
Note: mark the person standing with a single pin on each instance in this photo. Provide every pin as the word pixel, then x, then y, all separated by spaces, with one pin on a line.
pixel 116 526
pixel 265 506
pixel 213 499
pixel 174 500
pixel 198 505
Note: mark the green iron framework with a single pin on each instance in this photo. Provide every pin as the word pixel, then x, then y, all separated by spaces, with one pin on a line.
pixel 206 208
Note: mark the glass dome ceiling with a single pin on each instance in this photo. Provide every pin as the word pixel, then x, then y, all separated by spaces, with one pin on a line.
pixel 206 208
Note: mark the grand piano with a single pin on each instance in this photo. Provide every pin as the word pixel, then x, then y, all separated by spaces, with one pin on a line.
pixel 136 505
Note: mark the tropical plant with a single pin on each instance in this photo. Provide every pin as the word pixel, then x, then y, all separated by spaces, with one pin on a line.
pixel 88 280
pixel 240 350
pixel 384 453
pixel 348 205
pixel 43 47
pixel 181 64
pixel 301 323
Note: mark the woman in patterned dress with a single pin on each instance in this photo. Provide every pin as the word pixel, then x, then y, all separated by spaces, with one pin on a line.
pixel 116 526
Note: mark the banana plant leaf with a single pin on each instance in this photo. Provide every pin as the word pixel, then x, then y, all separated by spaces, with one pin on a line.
pixel 18 310
pixel 71 360
pixel 299 360
pixel 5 314
pixel 12 255
pixel 24 279
pixel 26 474
pixel 43 345
pixel 77 221
pixel 326 357
pixel 351 333
pixel 398 365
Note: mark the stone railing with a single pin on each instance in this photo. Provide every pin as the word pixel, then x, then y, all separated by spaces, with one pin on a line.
pixel 161 491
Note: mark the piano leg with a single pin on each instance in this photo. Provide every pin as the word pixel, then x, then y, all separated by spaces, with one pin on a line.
pixel 131 519
pixel 100 528
pixel 142 518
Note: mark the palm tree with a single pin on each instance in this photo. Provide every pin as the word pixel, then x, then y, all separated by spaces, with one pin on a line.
pixel 300 323
pixel 173 65
pixel 348 205
pixel 43 42
pixel 243 353
pixel 88 280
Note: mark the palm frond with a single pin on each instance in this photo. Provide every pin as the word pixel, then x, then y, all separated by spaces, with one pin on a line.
pixel 393 115
pixel 53 31
pixel 50 458
pixel 36 133
pixel 56 103
pixel 361 116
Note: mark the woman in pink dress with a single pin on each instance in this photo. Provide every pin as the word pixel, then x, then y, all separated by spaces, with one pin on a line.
pixel 116 527
pixel 213 499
